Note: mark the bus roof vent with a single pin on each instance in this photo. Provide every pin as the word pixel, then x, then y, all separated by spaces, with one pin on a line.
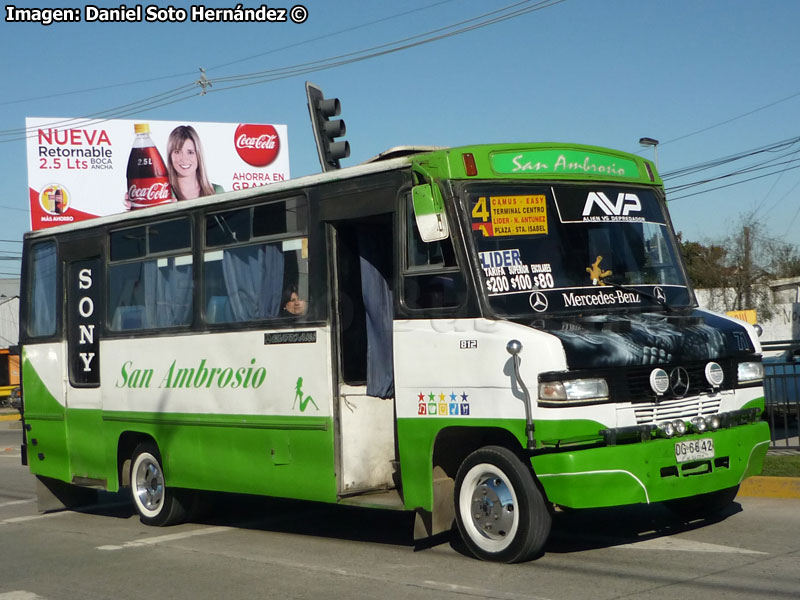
pixel 398 151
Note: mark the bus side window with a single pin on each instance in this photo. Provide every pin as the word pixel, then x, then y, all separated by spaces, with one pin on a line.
pixel 431 276
pixel 42 310
pixel 244 283
pixel 251 279
pixel 150 278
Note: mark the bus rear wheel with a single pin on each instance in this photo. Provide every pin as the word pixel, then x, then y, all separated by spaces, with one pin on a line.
pixel 156 504
pixel 501 514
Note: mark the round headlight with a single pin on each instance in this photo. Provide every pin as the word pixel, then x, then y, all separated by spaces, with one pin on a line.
pixel 668 428
pixel 680 426
pixel 713 422
pixel 699 424
pixel 659 381
pixel 714 374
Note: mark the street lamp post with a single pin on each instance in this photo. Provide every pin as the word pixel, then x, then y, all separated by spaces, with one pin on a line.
pixel 646 141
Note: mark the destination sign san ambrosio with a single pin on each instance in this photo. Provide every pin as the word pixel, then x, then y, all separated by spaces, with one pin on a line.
pixel 568 162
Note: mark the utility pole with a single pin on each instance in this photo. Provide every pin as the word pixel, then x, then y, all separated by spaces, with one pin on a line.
pixel 748 270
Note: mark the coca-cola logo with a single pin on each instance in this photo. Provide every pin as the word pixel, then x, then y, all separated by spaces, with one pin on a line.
pixel 155 192
pixel 257 145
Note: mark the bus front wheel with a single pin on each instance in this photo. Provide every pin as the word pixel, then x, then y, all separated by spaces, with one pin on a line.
pixel 501 514
pixel 157 504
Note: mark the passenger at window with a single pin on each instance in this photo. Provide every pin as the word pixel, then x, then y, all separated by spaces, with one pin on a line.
pixel 293 306
pixel 186 166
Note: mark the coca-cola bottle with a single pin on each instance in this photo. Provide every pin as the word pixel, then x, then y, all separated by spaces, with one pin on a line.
pixel 148 181
pixel 58 201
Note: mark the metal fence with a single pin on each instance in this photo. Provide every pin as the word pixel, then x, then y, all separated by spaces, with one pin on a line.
pixel 782 399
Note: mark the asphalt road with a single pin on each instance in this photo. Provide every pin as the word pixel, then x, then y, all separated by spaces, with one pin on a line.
pixel 257 548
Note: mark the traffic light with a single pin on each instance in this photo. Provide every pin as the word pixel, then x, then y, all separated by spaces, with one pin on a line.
pixel 321 109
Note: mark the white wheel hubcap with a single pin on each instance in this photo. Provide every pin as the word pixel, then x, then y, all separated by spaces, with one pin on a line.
pixel 148 484
pixel 488 507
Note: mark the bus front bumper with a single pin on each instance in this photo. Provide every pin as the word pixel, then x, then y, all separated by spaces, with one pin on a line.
pixel 648 471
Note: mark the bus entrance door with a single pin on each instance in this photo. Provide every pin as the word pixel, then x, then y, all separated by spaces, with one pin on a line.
pixel 365 405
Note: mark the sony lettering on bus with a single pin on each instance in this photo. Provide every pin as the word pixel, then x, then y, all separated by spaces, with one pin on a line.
pixel 79 170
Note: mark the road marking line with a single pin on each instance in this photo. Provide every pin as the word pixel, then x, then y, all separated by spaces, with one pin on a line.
pixel 480 592
pixel 305 568
pixel 20 595
pixel 15 502
pixel 34 517
pixel 166 538
pixel 681 545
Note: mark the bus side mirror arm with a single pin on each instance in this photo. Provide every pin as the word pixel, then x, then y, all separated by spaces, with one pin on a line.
pixel 514 347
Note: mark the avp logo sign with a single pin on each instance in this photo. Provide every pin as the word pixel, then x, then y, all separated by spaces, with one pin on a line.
pixel 625 204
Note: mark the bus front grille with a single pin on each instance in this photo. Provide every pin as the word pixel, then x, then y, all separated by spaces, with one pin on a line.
pixel 683 408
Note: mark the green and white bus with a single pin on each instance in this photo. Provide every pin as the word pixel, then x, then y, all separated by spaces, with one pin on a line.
pixel 475 334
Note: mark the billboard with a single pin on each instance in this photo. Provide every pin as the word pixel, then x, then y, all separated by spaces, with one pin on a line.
pixel 78 172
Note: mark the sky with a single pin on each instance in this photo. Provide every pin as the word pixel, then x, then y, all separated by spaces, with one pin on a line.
pixel 709 79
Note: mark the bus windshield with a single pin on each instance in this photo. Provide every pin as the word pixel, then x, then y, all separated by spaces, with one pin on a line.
pixel 574 248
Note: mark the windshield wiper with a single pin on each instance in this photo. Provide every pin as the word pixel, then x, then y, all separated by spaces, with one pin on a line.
pixel 625 288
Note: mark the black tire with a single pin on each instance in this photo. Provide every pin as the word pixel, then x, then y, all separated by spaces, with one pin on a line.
pixel 501 514
pixel 704 505
pixel 157 504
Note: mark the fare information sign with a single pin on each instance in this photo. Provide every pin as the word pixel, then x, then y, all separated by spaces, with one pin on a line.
pixel 518 215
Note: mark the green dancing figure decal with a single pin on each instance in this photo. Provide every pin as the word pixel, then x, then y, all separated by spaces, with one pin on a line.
pixel 298 395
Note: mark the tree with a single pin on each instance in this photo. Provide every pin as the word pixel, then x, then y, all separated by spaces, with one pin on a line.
pixel 739 267
pixel 785 261
pixel 705 264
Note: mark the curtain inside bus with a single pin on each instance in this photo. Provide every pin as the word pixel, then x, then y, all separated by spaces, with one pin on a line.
pixel 254 279
pixel 167 294
pixel 376 259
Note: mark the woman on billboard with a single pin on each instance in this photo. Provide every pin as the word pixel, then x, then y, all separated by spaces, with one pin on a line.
pixel 186 167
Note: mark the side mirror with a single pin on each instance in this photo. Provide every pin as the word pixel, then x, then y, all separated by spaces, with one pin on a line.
pixel 429 212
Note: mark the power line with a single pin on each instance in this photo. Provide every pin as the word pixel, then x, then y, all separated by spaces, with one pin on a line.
pixel 770 239
pixel 222 65
pixel 165 98
pixel 389 47
pixel 95 89
pixel 776 161
pixel 189 90
pixel 772 147
pixel 782 198
pixel 329 35
pixel 751 169
pixel 732 184
pixel 792 220
pixel 732 119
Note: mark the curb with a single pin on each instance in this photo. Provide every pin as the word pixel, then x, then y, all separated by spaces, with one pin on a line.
pixel 10 417
pixel 771 487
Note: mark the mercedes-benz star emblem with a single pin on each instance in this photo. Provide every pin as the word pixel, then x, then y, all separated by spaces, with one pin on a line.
pixel 538 301
pixel 679 381
pixel 660 294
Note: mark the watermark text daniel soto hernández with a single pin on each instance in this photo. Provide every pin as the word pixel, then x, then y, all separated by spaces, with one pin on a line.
pixel 153 13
